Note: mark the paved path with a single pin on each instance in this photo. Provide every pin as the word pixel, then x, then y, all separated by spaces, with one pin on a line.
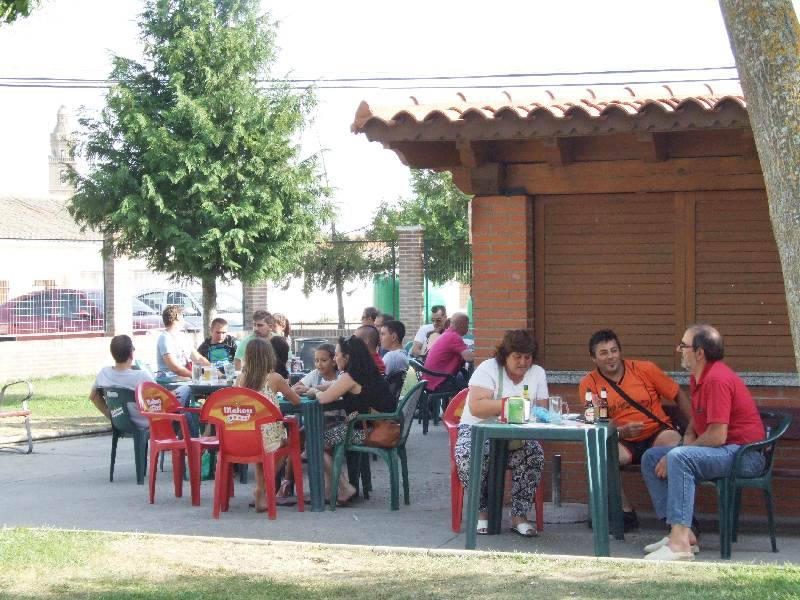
pixel 64 484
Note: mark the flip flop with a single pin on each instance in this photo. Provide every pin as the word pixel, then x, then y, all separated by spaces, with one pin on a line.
pixel 285 500
pixel 524 529
pixel 483 527
pixel 695 548
pixel 666 553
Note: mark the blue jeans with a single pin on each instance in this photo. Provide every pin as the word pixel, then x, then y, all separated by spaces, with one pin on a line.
pixel 673 497
pixel 184 396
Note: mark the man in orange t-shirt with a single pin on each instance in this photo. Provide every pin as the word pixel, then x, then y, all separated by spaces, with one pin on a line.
pixel 644 383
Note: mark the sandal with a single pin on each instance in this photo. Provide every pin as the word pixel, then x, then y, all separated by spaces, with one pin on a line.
pixel 283 491
pixel 525 529
pixel 483 527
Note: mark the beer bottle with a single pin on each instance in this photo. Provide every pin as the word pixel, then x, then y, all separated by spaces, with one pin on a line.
pixel 525 392
pixel 602 410
pixel 588 409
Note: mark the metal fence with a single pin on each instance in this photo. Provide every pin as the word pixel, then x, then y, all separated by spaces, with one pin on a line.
pixel 46 309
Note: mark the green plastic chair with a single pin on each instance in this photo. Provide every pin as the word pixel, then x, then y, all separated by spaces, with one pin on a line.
pixel 121 425
pixel 434 402
pixel 404 415
pixel 729 489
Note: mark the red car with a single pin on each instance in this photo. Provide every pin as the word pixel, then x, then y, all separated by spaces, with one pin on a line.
pixel 66 310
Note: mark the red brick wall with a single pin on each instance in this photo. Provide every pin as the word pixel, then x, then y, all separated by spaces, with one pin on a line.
pixel 26 359
pixel 502 245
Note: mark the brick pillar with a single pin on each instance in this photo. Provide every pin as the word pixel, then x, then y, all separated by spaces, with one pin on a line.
pixel 502 268
pixel 118 294
pixel 410 249
pixel 254 297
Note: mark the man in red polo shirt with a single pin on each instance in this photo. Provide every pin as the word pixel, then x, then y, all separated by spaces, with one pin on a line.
pixel 724 417
pixel 449 352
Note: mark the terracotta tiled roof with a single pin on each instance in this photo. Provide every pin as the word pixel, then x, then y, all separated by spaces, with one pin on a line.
pixel 42 218
pixel 557 104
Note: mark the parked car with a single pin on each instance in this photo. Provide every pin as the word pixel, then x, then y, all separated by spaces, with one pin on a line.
pixel 192 306
pixel 52 310
pixel 66 310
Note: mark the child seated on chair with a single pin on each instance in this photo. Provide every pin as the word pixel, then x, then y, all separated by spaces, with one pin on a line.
pixel 259 374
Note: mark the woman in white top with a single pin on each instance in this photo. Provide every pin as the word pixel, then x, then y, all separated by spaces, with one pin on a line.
pixel 505 375
pixel 258 374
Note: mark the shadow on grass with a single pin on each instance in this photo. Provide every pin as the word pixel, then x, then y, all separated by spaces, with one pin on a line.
pixel 366 585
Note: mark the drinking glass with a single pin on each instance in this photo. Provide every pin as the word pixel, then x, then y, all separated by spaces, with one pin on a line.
pixel 230 372
pixel 197 369
pixel 554 409
pixel 564 409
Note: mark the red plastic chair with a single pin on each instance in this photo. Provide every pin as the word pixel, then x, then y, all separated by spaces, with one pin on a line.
pixel 238 414
pixel 162 409
pixel 451 420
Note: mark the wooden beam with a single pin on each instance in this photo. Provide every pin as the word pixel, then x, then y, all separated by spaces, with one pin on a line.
pixel 462 180
pixel 616 176
pixel 654 146
pixel 559 151
pixel 470 153
pixel 489 179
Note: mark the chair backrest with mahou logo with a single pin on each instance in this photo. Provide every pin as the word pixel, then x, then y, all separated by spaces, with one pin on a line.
pixel 153 398
pixel 238 414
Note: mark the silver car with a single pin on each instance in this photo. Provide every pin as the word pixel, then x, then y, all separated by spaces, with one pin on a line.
pixel 192 306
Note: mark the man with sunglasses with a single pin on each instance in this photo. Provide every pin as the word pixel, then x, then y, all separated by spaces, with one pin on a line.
pixel 438 317
pixel 635 391
pixel 724 417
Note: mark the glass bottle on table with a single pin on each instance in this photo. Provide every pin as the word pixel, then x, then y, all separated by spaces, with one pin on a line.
pixel 602 409
pixel 588 408
pixel 526 397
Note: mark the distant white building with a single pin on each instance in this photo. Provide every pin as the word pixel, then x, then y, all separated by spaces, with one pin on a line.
pixel 41 244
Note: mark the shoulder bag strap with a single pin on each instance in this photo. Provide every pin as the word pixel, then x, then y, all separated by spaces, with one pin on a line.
pixel 635 404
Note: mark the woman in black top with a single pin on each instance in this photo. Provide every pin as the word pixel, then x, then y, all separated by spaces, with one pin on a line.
pixel 361 388
pixel 281 348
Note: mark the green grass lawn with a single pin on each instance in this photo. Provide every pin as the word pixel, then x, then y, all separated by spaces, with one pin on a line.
pixel 36 563
pixel 58 404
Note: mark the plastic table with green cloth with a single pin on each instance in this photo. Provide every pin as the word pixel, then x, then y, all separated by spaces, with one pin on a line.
pixel 311 412
pixel 600 443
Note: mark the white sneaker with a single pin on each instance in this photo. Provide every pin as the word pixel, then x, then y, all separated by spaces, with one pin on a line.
pixel 663 542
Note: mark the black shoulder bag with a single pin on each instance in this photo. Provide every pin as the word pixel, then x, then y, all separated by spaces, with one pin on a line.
pixel 638 406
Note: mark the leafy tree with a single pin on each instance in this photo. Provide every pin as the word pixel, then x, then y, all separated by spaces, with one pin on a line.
pixel 339 260
pixel 11 9
pixel 439 206
pixel 765 38
pixel 193 167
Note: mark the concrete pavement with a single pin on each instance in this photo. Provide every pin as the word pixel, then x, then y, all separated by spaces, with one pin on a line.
pixel 64 484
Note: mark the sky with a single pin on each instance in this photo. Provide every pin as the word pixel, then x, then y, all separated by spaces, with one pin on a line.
pixel 75 38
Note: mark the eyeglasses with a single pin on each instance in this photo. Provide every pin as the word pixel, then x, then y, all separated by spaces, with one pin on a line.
pixel 683 346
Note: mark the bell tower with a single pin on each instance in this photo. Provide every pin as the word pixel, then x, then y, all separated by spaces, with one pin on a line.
pixel 60 159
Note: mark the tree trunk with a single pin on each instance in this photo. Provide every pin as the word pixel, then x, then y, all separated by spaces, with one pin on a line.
pixel 209 303
pixel 765 39
pixel 340 299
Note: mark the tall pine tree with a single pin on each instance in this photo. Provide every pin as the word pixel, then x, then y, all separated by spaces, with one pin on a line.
pixel 193 164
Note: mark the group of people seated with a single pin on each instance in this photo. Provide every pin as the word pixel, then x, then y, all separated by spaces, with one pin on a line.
pixel 720 412
pixel 351 373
